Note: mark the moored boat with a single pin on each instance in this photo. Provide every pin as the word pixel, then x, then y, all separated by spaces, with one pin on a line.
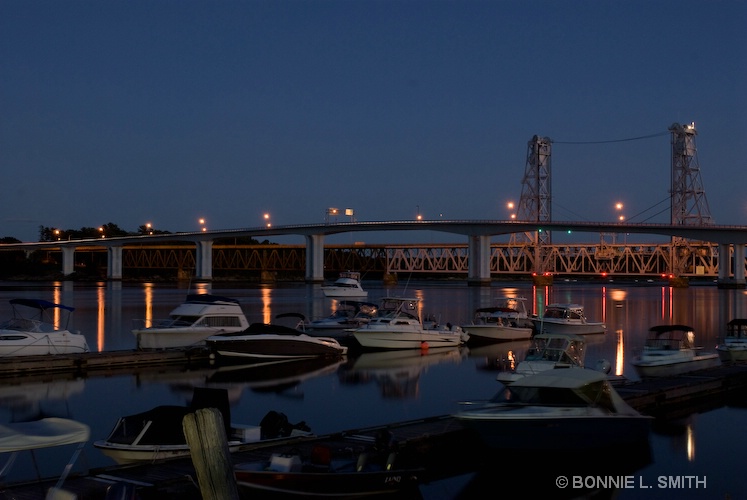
pixel 556 410
pixel 507 321
pixel 670 350
pixel 548 352
pixel 269 341
pixel 348 284
pixel 399 325
pixel 190 323
pixel 567 318
pixel 733 346
pixel 348 315
pixel 32 331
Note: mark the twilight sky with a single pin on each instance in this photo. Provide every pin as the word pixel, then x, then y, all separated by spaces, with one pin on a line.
pixel 168 111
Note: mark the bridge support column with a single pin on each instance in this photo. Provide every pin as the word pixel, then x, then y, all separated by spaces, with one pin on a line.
pixel 114 263
pixel 731 271
pixel 204 261
pixel 68 260
pixel 478 273
pixel 315 258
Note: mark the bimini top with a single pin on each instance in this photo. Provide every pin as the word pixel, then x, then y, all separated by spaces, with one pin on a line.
pixel 39 304
pixel 44 433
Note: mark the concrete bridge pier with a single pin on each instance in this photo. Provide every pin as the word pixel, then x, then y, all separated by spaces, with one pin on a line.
pixel 114 263
pixel 478 273
pixel 731 272
pixel 315 258
pixel 204 261
pixel 68 260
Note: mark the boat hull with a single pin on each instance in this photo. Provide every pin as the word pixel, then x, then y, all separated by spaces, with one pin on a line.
pixel 14 343
pixel 496 333
pixel 406 339
pixel 729 354
pixel 569 328
pixel 124 454
pixel 171 338
pixel 667 368
pixel 552 432
pixel 276 346
pixel 344 293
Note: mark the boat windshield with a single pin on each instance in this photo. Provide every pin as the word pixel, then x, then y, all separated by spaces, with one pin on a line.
pixel 597 394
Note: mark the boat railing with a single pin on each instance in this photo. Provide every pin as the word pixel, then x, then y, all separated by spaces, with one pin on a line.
pixel 160 323
pixel 27 325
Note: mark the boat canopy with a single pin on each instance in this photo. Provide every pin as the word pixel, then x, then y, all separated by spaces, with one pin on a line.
pixel 670 337
pixel 44 433
pixel 206 298
pixel 39 304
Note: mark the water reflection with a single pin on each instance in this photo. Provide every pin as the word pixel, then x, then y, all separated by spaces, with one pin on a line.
pixel 397 372
pixel 501 356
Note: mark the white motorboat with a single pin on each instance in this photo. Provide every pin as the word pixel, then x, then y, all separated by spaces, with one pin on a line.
pixel 733 347
pixel 670 350
pixel 548 352
pixel 567 318
pixel 348 315
pixel 274 342
pixel 190 323
pixel 508 320
pixel 157 434
pixel 399 325
pixel 33 331
pixel 556 410
pixel 348 284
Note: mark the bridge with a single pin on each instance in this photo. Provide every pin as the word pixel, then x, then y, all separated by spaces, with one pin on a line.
pixel 708 248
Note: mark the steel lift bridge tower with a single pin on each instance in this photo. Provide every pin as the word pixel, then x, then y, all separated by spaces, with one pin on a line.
pixel 688 201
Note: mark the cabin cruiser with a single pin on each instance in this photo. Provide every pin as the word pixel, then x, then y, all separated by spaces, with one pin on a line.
pixel 567 318
pixel 32 330
pixel 508 320
pixel 670 350
pixel 199 317
pixel 399 325
pixel 556 410
pixel 548 352
pixel 348 315
pixel 733 347
pixel 348 284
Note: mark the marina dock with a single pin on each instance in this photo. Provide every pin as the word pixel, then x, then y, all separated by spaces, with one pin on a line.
pixel 439 443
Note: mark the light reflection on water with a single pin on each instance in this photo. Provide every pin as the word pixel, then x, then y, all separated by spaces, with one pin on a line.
pixel 377 389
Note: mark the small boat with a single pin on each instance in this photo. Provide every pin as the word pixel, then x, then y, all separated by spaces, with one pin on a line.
pixel 190 323
pixel 49 432
pixel 506 321
pixel 348 315
pixel 157 434
pixel 733 347
pixel 348 284
pixel 548 352
pixel 670 350
pixel 274 342
pixel 556 410
pixel 32 330
pixel 399 325
pixel 328 471
pixel 567 318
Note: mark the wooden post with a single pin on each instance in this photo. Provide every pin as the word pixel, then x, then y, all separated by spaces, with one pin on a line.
pixel 208 445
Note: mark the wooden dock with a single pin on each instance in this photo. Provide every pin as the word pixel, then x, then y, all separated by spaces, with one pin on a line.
pixel 441 443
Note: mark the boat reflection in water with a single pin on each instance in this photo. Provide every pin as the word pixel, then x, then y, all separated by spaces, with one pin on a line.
pixel 500 356
pixel 397 371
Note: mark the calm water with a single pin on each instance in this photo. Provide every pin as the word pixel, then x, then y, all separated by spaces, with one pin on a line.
pixel 376 389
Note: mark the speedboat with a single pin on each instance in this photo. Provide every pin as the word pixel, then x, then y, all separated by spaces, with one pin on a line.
pixel 734 344
pixel 670 350
pixel 157 434
pixel 506 321
pixel 548 352
pixel 199 317
pixel 399 325
pixel 349 314
pixel 32 331
pixel 567 318
pixel 348 284
pixel 556 410
pixel 274 342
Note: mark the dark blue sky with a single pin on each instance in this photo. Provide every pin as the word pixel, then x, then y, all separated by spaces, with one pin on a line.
pixel 168 111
